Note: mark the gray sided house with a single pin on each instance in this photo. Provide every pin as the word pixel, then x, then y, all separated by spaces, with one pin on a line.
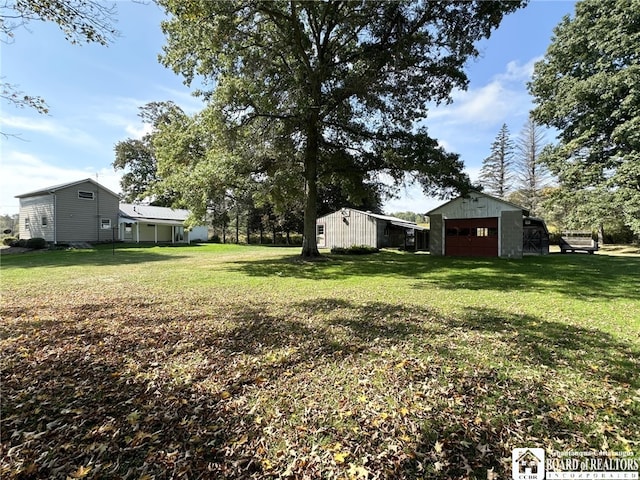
pixel 146 223
pixel 479 225
pixel 348 227
pixel 82 211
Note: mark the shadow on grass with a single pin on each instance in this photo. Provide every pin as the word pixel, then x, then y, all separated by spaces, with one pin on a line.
pixel 597 276
pixel 149 391
pixel 101 255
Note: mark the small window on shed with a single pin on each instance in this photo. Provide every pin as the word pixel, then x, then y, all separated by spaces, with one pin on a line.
pixel 482 232
pixel 105 223
pixel 26 223
pixel 44 221
pixel 83 194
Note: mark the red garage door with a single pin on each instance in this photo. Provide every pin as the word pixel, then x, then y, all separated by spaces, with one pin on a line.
pixel 471 237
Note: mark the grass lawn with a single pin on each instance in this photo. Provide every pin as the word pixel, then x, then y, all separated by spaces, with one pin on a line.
pixel 222 361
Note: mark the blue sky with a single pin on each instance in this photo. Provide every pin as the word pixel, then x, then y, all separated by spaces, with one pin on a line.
pixel 94 93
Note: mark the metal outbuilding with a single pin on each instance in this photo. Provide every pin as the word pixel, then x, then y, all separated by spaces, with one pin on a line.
pixel 350 227
pixel 477 225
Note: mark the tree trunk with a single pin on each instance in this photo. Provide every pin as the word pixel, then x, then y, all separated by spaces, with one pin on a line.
pixel 601 234
pixel 237 226
pixel 309 240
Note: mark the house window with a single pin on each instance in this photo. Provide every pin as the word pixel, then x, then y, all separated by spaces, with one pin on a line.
pixel 26 223
pixel 127 227
pixel 151 224
pixel 105 223
pixel 44 221
pixel 85 195
pixel 320 229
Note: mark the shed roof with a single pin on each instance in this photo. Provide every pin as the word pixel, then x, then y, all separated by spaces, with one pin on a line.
pixel 151 213
pixel 444 206
pixel 399 222
pixel 62 186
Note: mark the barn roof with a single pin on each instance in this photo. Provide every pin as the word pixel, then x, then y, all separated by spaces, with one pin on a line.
pixel 513 206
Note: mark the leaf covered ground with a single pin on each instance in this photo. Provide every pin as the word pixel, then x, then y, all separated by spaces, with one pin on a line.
pixel 232 362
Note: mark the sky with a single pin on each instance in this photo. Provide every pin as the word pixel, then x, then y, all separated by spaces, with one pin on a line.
pixel 94 94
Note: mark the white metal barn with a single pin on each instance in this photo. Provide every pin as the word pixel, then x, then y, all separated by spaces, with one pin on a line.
pixel 350 227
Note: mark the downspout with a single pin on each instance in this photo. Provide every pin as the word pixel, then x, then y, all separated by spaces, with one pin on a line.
pixel 55 218
pixel 98 214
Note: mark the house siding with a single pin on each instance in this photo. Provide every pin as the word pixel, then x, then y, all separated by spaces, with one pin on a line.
pixel 35 209
pixel 78 219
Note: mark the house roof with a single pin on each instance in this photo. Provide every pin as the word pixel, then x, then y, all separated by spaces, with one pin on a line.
pixel 474 192
pixel 399 222
pixel 62 186
pixel 151 213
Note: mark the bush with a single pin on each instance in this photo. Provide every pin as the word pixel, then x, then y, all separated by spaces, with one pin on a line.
pixel 9 240
pixel 36 243
pixel 354 250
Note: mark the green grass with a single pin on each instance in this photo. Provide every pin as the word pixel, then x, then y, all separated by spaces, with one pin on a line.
pixel 223 361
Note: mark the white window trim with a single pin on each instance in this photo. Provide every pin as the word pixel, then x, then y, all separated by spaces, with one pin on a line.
pixel 105 223
pixel 86 192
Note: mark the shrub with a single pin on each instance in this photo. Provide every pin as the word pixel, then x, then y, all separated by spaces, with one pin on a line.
pixel 36 243
pixel 354 250
pixel 9 240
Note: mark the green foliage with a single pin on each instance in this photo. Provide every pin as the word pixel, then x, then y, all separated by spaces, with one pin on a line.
pixel 9 240
pixel 587 88
pixel 355 250
pixel 36 243
pixel 307 90
pixel 141 180
pixel 410 216
pixel 80 20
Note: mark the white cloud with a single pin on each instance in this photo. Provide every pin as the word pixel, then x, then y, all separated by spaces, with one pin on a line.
pixel 490 105
pixel 47 126
pixel 22 173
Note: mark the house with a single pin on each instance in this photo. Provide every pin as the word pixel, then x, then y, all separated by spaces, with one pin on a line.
pixel 348 227
pixel 85 211
pixel 82 211
pixel 146 223
pixel 479 225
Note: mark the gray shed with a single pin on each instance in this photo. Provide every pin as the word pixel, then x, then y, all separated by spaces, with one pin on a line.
pixel 350 227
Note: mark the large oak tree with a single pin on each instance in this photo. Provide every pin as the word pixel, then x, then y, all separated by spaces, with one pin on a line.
pixel 588 88
pixel 344 81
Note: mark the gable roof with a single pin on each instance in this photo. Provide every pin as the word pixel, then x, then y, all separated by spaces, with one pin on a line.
pixel 399 222
pixel 62 186
pixel 525 212
pixel 149 212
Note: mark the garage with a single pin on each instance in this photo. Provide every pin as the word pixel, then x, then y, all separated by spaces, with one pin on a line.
pixel 477 225
pixel 471 237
